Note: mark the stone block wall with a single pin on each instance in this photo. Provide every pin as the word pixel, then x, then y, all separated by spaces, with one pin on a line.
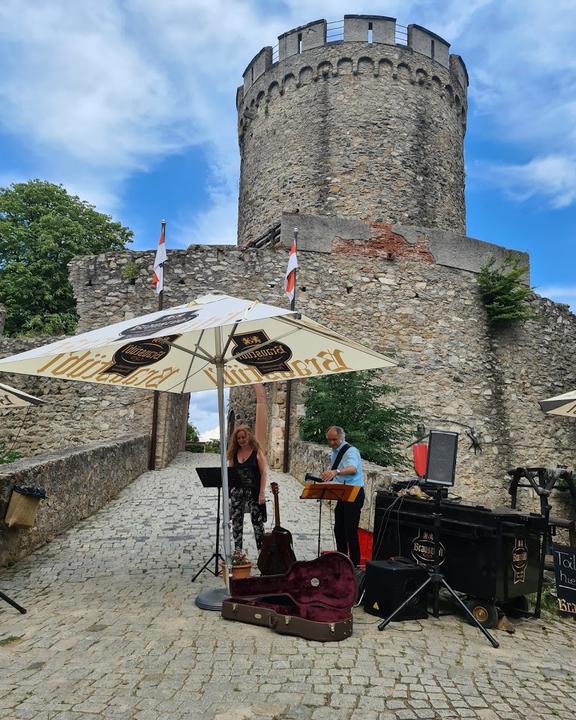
pixel 78 482
pixel 406 304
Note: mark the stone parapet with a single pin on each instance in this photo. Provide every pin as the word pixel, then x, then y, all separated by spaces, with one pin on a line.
pixel 78 482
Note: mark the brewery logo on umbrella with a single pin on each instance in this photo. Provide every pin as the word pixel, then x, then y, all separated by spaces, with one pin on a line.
pixel 268 359
pixel 139 354
pixel 161 323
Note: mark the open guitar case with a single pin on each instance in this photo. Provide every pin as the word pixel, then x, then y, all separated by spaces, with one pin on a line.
pixel 313 600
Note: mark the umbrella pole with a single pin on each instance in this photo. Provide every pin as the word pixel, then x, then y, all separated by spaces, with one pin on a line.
pixel 223 460
pixel 213 599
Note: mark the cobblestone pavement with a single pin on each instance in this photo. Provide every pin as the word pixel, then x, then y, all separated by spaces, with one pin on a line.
pixel 112 631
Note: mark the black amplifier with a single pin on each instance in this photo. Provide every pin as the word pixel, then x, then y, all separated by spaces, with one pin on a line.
pixel 388 583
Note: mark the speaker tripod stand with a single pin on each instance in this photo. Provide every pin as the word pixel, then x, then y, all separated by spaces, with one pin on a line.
pixel 14 604
pixel 436 580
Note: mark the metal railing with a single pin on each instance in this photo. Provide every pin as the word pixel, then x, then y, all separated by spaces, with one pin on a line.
pixel 335 34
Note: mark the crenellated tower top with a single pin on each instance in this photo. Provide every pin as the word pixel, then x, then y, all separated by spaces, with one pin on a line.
pixel 362 118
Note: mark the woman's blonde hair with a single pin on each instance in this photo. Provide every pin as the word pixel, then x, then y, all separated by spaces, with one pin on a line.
pixel 233 444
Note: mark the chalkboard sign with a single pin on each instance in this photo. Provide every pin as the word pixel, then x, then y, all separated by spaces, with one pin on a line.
pixel 565 569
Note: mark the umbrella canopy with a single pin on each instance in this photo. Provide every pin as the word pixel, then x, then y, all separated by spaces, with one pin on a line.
pixel 561 404
pixel 216 341
pixel 176 350
pixel 12 397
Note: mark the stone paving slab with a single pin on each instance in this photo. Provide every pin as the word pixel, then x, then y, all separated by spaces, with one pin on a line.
pixel 112 631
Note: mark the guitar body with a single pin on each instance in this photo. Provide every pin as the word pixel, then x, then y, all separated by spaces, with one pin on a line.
pixel 277 552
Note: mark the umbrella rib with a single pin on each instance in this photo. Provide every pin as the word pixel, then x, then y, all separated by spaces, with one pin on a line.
pixel 192 360
pixel 229 340
pixel 196 352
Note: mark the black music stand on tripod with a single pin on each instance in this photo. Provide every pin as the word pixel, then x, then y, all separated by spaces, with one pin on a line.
pixel 317 489
pixel 440 471
pixel 211 477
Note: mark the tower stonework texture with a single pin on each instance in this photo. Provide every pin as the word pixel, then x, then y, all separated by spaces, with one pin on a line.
pixel 363 127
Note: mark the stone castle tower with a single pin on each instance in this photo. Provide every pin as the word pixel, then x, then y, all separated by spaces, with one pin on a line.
pixel 352 132
pixel 370 126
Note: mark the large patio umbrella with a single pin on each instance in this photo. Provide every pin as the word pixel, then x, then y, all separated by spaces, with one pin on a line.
pixel 12 397
pixel 561 404
pixel 216 341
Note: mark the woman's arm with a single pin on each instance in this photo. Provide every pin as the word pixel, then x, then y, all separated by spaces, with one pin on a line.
pixel 263 467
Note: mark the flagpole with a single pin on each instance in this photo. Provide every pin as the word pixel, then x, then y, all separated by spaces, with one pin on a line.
pixel 156 399
pixel 286 455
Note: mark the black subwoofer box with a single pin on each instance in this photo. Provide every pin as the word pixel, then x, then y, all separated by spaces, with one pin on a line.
pixel 388 583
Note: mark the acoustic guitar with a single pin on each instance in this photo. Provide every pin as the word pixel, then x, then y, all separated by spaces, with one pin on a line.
pixel 277 553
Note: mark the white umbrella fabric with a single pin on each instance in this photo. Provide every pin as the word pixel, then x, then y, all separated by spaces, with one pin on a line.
pixel 560 405
pixel 216 341
pixel 12 397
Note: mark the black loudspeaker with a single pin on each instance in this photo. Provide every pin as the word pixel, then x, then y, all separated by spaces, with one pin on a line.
pixel 388 583
pixel 442 449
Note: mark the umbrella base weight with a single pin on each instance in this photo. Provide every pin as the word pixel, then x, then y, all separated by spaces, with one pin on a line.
pixel 212 599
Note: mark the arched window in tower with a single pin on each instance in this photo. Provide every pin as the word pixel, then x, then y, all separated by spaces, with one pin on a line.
pixel 299 43
pixel 370 34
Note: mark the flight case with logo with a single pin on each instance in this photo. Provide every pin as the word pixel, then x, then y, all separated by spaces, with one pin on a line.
pixel 491 555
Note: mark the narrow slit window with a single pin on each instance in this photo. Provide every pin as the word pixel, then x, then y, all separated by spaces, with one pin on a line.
pixel 299 42
pixel 370 33
pixel 432 49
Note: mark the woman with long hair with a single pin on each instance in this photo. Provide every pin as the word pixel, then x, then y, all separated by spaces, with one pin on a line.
pixel 246 456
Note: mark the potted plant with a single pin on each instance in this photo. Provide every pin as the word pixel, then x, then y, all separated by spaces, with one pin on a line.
pixel 241 566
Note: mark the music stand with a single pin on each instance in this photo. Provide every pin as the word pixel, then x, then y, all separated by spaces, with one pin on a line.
pixel 317 489
pixel 211 477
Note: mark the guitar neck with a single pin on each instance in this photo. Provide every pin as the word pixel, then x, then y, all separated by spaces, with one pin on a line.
pixel 276 510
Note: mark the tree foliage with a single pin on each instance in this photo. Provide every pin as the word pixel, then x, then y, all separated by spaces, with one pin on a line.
pixel 504 292
pixel 353 401
pixel 42 228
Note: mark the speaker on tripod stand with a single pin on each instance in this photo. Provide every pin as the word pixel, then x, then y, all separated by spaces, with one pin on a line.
pixel 440 472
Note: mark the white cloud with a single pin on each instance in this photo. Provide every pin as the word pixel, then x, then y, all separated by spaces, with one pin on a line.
pixel 213 434
pixel 553 177
pixel 203 409
pixel 99 91
pixel 565 294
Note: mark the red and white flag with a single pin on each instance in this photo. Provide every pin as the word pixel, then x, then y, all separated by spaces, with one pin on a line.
pixel 290 277
pixel 159 260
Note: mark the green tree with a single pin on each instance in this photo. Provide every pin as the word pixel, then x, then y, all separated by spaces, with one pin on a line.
pixel 504 291
pixel 42 228
pixel 354 402
pixel 192 435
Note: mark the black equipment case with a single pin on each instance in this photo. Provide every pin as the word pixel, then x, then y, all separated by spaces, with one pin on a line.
pixel 491 555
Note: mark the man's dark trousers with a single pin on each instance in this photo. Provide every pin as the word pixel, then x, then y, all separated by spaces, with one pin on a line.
pixel 346 521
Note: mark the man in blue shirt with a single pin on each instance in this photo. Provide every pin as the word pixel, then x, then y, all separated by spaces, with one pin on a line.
pixel 346 468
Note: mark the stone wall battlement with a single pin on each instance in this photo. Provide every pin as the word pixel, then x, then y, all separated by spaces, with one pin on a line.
pixel 368 46
pixel 359 62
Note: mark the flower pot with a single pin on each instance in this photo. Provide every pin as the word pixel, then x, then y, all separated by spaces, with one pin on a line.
pixel 241 571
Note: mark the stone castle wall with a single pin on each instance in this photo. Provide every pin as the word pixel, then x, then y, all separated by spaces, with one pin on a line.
pixel 428 315
pixel 365 130
pixel 78 482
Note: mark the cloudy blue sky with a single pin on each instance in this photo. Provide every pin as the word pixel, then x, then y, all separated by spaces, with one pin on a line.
pixel 130 104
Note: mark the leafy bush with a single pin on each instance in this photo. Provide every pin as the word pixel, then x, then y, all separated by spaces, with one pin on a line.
pixel 8 456
pixel 353 401
pixel 505 295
